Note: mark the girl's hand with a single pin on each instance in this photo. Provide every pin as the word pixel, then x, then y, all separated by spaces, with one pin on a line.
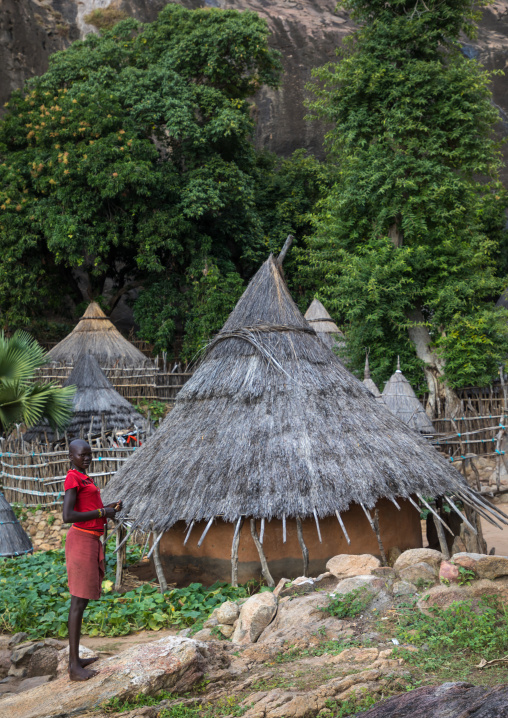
pixel 117 505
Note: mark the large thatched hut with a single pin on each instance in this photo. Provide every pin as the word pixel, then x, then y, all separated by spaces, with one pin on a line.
pixel 274 450
pixel 400 398
pixel 14 541
pixel 97 335
pixel 324 326
pixel 96 405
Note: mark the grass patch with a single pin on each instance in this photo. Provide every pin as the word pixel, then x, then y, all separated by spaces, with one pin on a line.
pixel 34 597
pixel 349 605
pixel 451 641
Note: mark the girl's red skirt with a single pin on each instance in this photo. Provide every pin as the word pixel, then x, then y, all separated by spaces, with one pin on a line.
pixel 84 557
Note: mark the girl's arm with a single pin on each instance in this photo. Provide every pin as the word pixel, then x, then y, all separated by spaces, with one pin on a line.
pixel 75 517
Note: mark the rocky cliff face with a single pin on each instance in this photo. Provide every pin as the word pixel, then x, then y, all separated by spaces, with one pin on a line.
pixel 306 32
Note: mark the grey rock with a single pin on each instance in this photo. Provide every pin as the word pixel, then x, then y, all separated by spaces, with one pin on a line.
pixel 449 700
pixel 404 588
pixel 34 659
pixel 18 638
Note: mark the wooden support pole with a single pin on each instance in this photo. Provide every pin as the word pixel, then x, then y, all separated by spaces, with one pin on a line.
pixel 442 537
pixel 264 563
pixel 234 552
pixel 377 531
pixel 120 556
pixel 163 584
pixel 305 550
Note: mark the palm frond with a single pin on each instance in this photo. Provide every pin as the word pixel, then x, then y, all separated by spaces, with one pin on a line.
pixel 20 356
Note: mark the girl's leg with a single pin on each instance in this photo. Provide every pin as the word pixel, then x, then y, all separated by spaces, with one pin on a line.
pixel 77 672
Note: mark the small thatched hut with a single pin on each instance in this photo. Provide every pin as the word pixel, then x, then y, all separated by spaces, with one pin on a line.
pixel 96 405
pixel 369 383
pixel 13 539
pixel 274 431
pixel 400 398
pixel 97 335
pixel 324 326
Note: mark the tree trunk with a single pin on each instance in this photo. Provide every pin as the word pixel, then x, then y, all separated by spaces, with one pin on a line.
pixel 443 401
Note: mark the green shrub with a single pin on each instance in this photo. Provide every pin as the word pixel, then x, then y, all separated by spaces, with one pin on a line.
pixel 350 604
pixel 34 597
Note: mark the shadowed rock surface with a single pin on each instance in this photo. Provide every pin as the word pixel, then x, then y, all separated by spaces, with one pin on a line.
pixel 306 32
pixel 450 700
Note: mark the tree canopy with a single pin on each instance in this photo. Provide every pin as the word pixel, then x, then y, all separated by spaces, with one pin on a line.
pixel 406 247
pixel 129 163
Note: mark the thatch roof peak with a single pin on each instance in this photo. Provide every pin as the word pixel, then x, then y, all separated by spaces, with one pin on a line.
pixel 95 397
pixel 369 383
pixel 272 425
pixel 324 326
pixel 400 398
pixel 14 541
pixel 95 333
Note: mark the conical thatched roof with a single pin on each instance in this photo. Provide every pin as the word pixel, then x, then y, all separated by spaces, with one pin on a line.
pixel 97 335
pixel 13 539
pixel 324 326
pixel 400 398
pixel 271 424
pixel 369 383
pixel 94 397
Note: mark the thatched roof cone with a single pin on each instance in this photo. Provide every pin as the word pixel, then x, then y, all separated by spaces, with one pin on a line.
pixel 369 383
pixel 324 326
pixel 400 398
pixel 14 541
pixel 97 335
pixel 94 397
pixel 272 425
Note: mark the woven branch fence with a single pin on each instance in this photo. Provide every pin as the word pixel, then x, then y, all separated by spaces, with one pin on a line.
pixel 33 473
pixel 135 384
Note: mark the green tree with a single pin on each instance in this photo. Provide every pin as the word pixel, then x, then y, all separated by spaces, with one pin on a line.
pixel 21 398
pixel 405 247
pixel 130 163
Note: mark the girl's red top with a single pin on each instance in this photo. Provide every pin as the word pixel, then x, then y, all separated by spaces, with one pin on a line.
pixel 88 498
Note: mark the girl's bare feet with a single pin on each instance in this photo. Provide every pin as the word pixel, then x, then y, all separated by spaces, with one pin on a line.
pixel 78 673
pixel 86 661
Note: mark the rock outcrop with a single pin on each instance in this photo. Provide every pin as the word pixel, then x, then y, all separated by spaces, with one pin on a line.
pixel 450 700
pixel 306 32
pixel 172 663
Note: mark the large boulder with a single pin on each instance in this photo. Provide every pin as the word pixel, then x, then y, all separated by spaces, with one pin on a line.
pixel 346 564
pixel 418 555
pixel 172 663
pixel 302 618
pixel 255 615
pixel 450 700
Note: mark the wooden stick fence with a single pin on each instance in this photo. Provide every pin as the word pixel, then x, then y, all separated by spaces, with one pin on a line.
pixel 135 384
pixel 34 474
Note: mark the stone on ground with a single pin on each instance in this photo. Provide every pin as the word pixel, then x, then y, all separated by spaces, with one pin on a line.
pixel 255 615
pixel 346 564
pixel 172 663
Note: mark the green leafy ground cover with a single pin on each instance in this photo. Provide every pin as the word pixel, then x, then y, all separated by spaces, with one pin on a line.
pixel 34 597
